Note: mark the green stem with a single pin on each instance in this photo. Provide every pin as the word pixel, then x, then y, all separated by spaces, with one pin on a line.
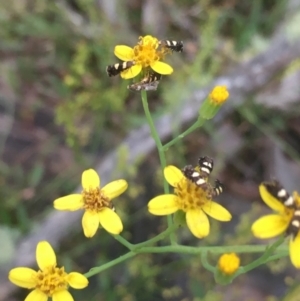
pixel 109 264
pixel 155 239
pixel 124 242
pixel 161 152
pixel 200 121
pixel 205 262
pixel 213 250
pixel 262 259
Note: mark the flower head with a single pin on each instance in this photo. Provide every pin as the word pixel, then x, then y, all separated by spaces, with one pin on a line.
pixel 213 102
pixel 219 95
pixel 229 263
pixel 96 202
pixel 285 220
pixel 194 200
pixel 49 280
pixel 146 53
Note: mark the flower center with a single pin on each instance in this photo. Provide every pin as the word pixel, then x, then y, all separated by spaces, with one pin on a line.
pixel 95 200
pixel 51 280
pixel 146 51
pixel 191 196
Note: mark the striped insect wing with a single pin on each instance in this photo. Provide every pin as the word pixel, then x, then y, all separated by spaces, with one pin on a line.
pixel 206 165
pixel 188 172
pixel 294 226
pixel 277 191
pixel 193 175
pixel 176 46
pixel 218 189
pixel 148 83
pixel 113 70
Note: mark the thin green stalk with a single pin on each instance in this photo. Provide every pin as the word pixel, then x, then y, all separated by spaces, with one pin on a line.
pixel 161 152
pixel 200 121
pixel 205 262
pixel 213 250
pixel 155 239
pixel 262 259
pixel 124 242
pixel 109 264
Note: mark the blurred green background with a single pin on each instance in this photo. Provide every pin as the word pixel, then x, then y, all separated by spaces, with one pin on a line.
pixel 60 114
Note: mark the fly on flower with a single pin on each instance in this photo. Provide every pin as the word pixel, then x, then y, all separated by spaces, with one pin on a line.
pixel 149 83
pixel 199 175
pixel 286 220
pixel 147 54
pixel 96 202
pixel 193 195
pixel 116 69
pixel 277 190
pixel 176 46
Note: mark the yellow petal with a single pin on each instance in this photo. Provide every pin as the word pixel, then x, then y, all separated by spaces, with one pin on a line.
pixel 217 211
pixel 124 53
pixel 161 68
pixel 131 72
pixel 295 251
pixel 269 226
pixel 173 175
pixel 62 296
pixel 110 221
pixel 90 179
pixel 272 202
pixel 36 295
pixel 114 189
pixel 198 223
pixel 77 280
pixel 90 223
pixel 70 202
pixel 45 255
pixel 164 204
pixel 23 277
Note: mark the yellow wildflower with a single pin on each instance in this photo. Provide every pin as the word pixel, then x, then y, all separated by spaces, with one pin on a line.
pixel 146 53
pixel 282 221
pixel 229 263
pixel 219 95
pixel 96 202
pixel 213 102
pixel 194 200
pixel 49 280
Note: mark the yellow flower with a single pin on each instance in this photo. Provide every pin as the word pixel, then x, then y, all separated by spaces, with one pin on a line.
pixel 275 224
pixel 219 95
pixel 49 280
pixel 146 53
pixel 96 202
pixel 229 263
pixel 193 200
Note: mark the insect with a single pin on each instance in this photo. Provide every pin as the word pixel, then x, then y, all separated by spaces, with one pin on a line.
pixel 206 165
pixel 176 46
pixel 277 191
pixel 218 189
pixel 294 226
pixel 113 70
pixel 199 176
pixel 148 83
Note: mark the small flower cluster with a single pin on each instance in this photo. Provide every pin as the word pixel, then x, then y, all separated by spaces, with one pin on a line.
pixel 146 57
